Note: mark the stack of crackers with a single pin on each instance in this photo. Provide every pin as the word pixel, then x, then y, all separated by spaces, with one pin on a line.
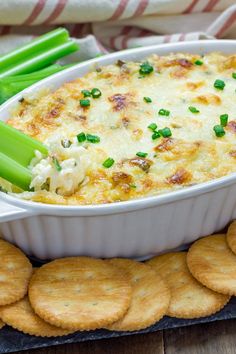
pixel 81 293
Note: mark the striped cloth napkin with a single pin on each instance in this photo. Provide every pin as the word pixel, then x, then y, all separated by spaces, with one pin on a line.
pixel 102 26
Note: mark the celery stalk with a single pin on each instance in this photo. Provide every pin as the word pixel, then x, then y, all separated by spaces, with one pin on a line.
pixel 19 146
pixel 13 172
pixel 48 40
pixel 36 74
pixel 10 86
pixel 40 60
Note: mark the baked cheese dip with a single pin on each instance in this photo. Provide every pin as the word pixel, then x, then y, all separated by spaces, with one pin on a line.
pixel 133 129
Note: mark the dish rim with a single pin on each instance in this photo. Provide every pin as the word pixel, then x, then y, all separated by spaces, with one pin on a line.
pixel 132 204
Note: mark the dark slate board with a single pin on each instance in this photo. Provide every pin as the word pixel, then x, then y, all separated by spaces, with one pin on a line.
pixel 12 340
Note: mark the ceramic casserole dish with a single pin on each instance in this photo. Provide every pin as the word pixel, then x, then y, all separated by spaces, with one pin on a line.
pixel 135 228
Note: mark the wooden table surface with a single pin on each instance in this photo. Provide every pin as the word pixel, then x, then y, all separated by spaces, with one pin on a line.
pixel 217 337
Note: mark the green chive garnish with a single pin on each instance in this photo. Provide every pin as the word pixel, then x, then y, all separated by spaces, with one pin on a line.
pixel 165 132
pixel 219 131
pixel 142 154
pixel 224 119
pixel 56 164
pixel 66 143
pixel 133 185
pixel 156 135
pixel 147 99
pixel 145 68
pixel 193 109
pixel 219 84
pixel 86 93
pixel 84 103
pixel 198 62
pixel 164 112
pixel 152 126
pixel 234 75
pixel 94 139
pixel 108 162
pixel 81 137
pixel 95 92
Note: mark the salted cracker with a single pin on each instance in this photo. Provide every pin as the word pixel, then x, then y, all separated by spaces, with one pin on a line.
pixel 150 296
pixel 189 298
pixel 80 293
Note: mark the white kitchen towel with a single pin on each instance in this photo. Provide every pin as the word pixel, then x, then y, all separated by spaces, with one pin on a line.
pixel 101 26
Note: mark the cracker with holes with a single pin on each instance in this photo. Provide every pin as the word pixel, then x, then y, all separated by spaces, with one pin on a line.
pixel 2 324
pixel 21 316
pixel 212 262
pixel 189 298
pixel 15 272
pixel 150 297
pixel 80 293
pixel 231 236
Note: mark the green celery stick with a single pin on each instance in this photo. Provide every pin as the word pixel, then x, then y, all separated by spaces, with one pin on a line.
pixel 13 172
pixel 10 86
pixel 35 74
pixel 41 60
pixel 48 40
pixel 19 146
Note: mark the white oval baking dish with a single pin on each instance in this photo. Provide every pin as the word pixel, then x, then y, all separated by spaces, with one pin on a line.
pixel 137 228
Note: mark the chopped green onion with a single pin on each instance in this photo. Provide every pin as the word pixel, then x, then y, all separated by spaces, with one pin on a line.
pixel 145 68
pixel 147 99
pixel 56 164
pixel 86 93
pixel 142 154
pixel 193 109
pixel 224 119
pixel 198 62
pixel 93 138
pixel 66 143
pixel 156 135
pixel 219 131
pixel 165 132
pixel 96 93
pixel 85 103
pixel 152 126
pixel 133 185
pixel 219 84
pixel 164 112
pixel 234 75
pixel 81 137
pixel 108 162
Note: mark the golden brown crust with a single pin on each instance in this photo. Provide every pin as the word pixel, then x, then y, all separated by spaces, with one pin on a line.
pixel 80 293
pixel 212 263
pixel 121 117
pixel 189 298
pixel 15 273
pixel 150 297
pixel 21 316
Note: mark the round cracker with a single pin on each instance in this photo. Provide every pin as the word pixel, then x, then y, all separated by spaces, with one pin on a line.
pixel 231 236
pixel 15 273
pixel 150 297
pixel 211 262
pixel 21 316
pixel 189 298
pixel 2 324
pixel 80 293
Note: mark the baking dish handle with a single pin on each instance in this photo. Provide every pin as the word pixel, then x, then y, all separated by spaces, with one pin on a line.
pixel 10 212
